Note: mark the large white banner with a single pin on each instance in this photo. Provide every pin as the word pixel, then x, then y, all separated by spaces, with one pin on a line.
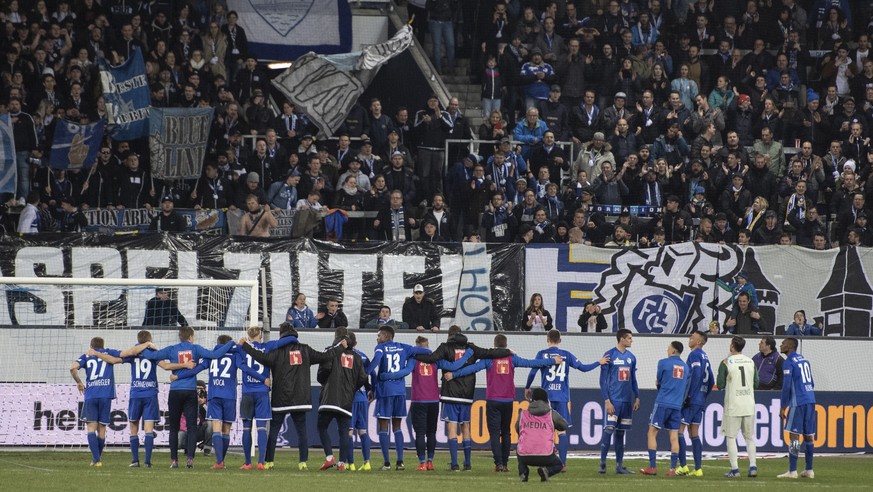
pixel 673 289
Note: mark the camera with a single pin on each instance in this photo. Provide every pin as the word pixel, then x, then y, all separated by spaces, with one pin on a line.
pixel 201 393
pixel 34 161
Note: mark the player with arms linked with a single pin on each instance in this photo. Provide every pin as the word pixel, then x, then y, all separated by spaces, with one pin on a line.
pixel 143 400
pixel 556 381
pixel 672 382
pixel 700 386
pixel 798 407
pixel 99 391
pixel 621 396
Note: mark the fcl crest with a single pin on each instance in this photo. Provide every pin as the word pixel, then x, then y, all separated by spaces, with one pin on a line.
pixel 282 15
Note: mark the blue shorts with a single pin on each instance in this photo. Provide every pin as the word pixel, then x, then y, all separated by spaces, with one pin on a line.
pixel 359 415
pixel 622 419
pixel 221 409
pixel 97 410
pixel 143 408
pixel 563 409
pixel 456 412
pixel 665 418
pixel 389 407
pixel 801 420
pixel 692 415
pixel 255 406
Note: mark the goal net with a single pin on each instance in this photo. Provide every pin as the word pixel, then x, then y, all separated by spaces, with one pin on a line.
pixel 49 322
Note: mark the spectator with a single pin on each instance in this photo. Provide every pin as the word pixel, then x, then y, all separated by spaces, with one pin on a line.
pixel 592 156
pixel 282 194
pixel 808 229
pixel 769 364
pixel 439 15
pixel 331 317
pixel 530 131
pixel 800 327
pixel 29 220
pixel 608 188
pixel 251 186
pixel 745 319
pixel 498 222
pixel 299 314
pixel 429 233
pixel 772 149
pixel 72 220
pixel 433 126
pixel 135 186
pixel 257 220
pixel 420 312
pixel 768 233
pixel 442 218
pixel 395 222
pixel 592 320
pixel 385 318
pixel 161 310
pixel 477 192
pixel 555 114
pixel 536 77
pixel 536 318
pixel 544 230
pixel 168 220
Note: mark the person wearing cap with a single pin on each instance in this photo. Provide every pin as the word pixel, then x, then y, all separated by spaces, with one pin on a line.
pixel 537 76
pixel 429 232
pixel 812 123
pixel 456 181
pixel 722 232
pixel 395 145
pixel 556 114
pixel 592 155
pixel 536 427
pixel 433 127
pixel 399 177
pixel 530 131
pixel 735 200
pixel 250 79
pixel 420 312
pixel 371 163
pixel 768 146
pixel 769 232
pixel 168 220
pixel 161 310
pixel 676 222
pixel 617 111
pixel 698 207
pixel 73 220
pixel 282 194
pixel 250 186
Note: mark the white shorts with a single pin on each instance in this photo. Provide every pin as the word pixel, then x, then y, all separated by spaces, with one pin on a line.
pixel 731 425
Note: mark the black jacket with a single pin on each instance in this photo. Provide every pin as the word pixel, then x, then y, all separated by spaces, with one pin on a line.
pixel 340 377
pixel 422 313
pixel 168 223
pixel 291 380
pixel 339 319
pixel 460 390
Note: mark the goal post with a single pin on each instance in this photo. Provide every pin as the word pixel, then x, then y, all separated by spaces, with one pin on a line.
pixel 71 301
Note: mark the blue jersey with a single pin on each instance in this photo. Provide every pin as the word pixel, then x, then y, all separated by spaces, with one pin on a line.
pixel 556 378
pixel 361 393
pixel 390 357
pixel 181 353
pixel 618 378
pixel 99 375
pixel 143 377
pixel 797 383
pixel 672 382
pixel 222 374
pixel 701 378
pixel 254 373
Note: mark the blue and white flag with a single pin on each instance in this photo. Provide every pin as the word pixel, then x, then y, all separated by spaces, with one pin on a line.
pixel 178 141
pixel 126 92
pixel 287 29
pixel 75 146
pixel 8 171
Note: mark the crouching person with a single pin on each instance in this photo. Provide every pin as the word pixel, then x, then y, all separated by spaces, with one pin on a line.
pixel 536 437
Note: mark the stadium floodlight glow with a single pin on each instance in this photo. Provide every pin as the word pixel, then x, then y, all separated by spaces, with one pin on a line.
pixel 279 65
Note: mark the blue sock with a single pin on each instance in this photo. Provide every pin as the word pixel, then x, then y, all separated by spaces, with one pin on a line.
pixel 682 451
pixel 468 452
pixel 652 458
pixel 810 447
pixel 226 439
pixel 385 444
pixel 247 442
pixel 563 446
pixel 134 449
pixel 101 443
pixel 453 450
pixel 262 443
pixel 619 448
pixel 217 445
pixel 792 462
pixel 673 458
pixel 149 445
pixel 697 449
pixel 604 444
pixel 94 446
pixel 365 446
pixel 398 443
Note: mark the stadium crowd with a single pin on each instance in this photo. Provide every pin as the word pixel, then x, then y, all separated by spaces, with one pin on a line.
pixel 719 120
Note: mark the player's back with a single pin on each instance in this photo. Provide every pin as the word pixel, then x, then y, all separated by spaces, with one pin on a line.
pixel 673 381
pixel 798 373
pixel 99 375
pixel 698 360
pixel 739 397
pixel 143 377
pixel 361 393
pixel 251 384
pixel 620 375
pixel 222 375
pixel 556 378
pixel 392 360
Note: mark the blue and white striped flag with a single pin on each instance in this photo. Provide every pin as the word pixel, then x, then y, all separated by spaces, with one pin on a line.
pixel 8 171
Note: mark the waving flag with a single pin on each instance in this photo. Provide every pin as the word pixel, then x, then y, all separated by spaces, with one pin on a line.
pixel 126 92
pixel 178 141
pixel 75 146
pixel 8 171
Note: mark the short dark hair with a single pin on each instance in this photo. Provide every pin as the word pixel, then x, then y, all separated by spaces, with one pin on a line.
pixel 702 334
pixel 677 345
pixel 738 343
pixel 792 342
pixel 389 330
pixel 622 333
pixel 223 339
pixel 97 343
pixel 144 336
pixel 554 336
pixel 770 341
pixel 500 341
pixel 186 333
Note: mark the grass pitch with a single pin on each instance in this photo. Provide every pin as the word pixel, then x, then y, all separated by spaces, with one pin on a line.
pixel 70 471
